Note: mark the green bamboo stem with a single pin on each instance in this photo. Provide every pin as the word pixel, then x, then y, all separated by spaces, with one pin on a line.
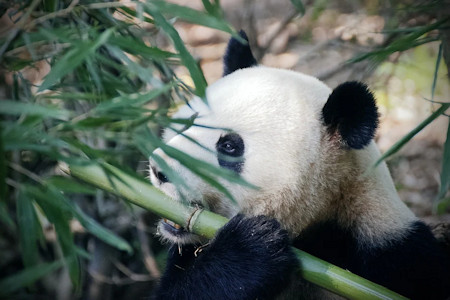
pixel 206 223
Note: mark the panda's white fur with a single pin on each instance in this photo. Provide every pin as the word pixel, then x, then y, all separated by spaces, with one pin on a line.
pixel 301 176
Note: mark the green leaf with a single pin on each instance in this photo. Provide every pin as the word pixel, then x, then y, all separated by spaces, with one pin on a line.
pixel 26 277
pixel 196 73
pixel 59 202
pixel 133 13
pixel 50 5
pixel 173 176
pixel 136 99
pixel 10 107
pixel 404 43
pixel 204 169
pixel 397 146
pixel 193 16
pixel 442 205
pixel 5 218
pixel 29 229
pixel 60 217
pixel 436 70
pixel 62 33
pixel 213 9
pixel 299 6
pixel 136 47
pixel 445 175
pixel 3 169
pixel 73 58
pixel 71 96
pixel 101 232
pixel 93 122
pixel 68 185
pixel 132 67
pixel 94 75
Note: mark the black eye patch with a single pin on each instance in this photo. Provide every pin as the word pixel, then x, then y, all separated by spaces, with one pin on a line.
pixel 230 150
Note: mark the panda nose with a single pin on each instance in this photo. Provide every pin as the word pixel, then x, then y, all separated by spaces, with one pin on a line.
pixel 160 175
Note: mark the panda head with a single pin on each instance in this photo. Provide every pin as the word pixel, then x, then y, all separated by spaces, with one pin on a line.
pixel 282 131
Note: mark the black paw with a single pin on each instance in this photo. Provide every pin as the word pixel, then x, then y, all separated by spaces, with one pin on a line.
pixel 259 235
pixel 257 250
pixel 250 258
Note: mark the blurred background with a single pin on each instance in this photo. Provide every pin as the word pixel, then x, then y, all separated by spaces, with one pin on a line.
pixel 85 82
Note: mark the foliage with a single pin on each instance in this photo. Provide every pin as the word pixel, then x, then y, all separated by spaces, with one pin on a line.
pixel 404 39
pixel 400 38
pixel 105 96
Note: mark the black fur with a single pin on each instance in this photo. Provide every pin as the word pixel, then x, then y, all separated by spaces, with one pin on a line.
pixel 238 55
pixel 250 258
pixel 230 149
pixel 351 110
pixel 414 266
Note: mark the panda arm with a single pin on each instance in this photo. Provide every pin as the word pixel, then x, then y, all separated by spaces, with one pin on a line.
pixel 414 266
pixel 249 258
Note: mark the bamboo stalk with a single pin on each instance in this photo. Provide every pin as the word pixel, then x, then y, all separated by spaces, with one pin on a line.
pixel 206 223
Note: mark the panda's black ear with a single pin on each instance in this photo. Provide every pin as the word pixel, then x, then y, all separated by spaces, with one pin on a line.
pixel 352 112
pixel 238 55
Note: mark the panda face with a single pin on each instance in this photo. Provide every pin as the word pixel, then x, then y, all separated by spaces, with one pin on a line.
pixel 261 123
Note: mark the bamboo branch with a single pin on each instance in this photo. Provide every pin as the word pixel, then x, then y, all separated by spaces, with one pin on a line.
pixel 206 223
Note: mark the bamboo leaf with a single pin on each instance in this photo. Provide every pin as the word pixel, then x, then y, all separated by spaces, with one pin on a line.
pixel 29 229
pixel 206 171
pixel 436 70
pixel 194 16
pixel 67 185
pixel 60 203
pixel 113 180
pixel 3 169
pixel 5 218
pixel 133 13
pixel 136 47
pixel 101 232
pixel 198 166
pixel 397 146
pixel 403 43
pixel 196 73
pixel 298 4
pixel 9 107
pixel 50 5
pixel 213 9
pixel 26 277
pixel 445 176
pixel 169 172
pixel 60 217
pixel 136 99
pixel 72 59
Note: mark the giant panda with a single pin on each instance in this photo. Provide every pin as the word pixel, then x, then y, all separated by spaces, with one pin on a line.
pixel 309 151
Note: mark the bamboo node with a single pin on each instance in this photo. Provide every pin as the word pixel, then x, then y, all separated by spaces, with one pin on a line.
pixel 192 218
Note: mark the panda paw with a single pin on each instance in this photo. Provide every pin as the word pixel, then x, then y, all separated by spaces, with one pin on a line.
pixel 258 235
pixel 257 250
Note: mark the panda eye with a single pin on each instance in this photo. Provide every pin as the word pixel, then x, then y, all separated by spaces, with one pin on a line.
pixel 231 145
pixel 227 147
pixel 230 150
